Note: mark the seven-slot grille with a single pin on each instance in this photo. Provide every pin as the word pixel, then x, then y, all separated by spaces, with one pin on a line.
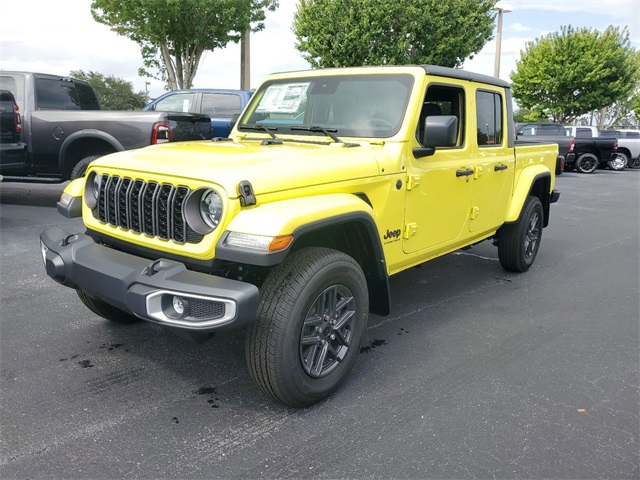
pixel 152 208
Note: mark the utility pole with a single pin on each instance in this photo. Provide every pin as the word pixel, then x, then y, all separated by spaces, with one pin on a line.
pixel 245 61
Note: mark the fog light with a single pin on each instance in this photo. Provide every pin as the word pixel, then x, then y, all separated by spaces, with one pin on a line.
pixel 178 305
pixel 174 306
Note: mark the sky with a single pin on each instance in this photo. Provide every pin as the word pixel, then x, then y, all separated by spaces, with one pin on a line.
pixel 57 37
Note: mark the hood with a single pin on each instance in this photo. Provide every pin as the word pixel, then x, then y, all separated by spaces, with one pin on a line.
pixel 269 168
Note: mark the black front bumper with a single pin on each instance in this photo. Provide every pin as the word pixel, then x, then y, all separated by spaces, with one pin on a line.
pixel 146 288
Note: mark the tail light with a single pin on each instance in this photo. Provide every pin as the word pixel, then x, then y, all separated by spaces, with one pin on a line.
pixel 161 133
pixel 572 145
pixel 615 145
pixel 18 119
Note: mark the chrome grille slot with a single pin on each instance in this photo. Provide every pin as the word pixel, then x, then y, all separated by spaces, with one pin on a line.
pixel 155 209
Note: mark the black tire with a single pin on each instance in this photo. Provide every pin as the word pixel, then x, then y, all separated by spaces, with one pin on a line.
pixel 104 310
pixel 518 242
pixel 619 163
pixel 310 325
pixel 587 163
pixel 634 162
pixel 80 168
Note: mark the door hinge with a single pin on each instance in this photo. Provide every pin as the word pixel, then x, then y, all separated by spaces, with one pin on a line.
pixel 477 171
pixel 410 229
pixel 413 181
pixel 475 211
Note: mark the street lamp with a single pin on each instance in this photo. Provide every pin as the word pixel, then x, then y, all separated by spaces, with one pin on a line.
pixel 501 8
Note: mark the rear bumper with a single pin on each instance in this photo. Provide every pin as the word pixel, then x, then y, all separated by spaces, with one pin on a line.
pixel 147 288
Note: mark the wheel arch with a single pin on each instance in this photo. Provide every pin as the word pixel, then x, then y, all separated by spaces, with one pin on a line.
pixel 343 222
pixel 357 236
pixel 82 144
pixel 535 182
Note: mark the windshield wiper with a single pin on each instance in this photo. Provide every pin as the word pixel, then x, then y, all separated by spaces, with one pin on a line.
pixel 274 140
pixel 329 132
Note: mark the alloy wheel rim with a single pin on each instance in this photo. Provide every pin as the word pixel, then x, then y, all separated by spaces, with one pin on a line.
pixel 532 236
pixel 327 331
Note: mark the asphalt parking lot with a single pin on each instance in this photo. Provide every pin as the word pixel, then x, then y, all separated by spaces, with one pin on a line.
pixel 477 373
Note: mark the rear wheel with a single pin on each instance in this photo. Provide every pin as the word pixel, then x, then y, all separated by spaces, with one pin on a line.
pixel 311 321
pixel 587 163
pixel 619 162
pixel 518 242
pixel 104 310
pixel 80 168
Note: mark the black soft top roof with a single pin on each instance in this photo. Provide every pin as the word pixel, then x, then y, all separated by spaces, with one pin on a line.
pixel 463 75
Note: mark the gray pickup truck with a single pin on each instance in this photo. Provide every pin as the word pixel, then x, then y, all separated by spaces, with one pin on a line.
pixel 64 129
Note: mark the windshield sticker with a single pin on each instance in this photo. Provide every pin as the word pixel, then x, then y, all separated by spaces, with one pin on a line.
pixel 283 98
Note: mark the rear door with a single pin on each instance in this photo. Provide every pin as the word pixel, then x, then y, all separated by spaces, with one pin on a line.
pixel 494 161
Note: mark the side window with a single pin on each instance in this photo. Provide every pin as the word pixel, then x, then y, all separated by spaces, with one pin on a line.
pixel 180 102
pixel 56 95
pixel 442 100
pixel 489 116
pixel 221 104
pixel 87 97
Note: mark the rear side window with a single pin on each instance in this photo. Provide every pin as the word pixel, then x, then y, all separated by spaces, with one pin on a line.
pixel 489 117
pixel 180 102
pixel 54 94
pixel 221 104
pixel 583 132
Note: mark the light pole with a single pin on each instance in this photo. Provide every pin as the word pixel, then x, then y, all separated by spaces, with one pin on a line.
pixel 146 90
pixel 501 8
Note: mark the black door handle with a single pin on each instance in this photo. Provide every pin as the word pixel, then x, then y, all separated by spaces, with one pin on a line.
pixel 497 168
pixel 464 173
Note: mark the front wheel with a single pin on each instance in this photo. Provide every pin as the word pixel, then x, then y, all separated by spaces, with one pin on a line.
pixel 310 325
pixel 587 163
pixel 518 242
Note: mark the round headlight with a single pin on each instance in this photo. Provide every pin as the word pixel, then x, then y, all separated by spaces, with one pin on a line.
pixel 211 208
pixel 203 210
pixel 92 189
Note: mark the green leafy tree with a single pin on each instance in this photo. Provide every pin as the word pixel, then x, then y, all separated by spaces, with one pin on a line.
pixel 567 74
pixel 113 93
pixel 524 115
pixel 341 33
pixel 174 34
pixel 634 106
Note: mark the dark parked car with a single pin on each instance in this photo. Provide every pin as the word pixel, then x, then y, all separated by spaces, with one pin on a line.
pixel 218 104
pixel 64 129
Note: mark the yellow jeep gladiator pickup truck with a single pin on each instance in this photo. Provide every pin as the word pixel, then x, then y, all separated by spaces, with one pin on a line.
pixel 331 181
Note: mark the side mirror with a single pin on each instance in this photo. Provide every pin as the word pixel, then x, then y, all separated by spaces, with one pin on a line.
pixel 440 131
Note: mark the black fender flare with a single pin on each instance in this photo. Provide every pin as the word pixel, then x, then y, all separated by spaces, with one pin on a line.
pixel 88 133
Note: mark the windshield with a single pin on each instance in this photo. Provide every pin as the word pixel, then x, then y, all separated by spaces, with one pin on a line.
pixel 354 105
